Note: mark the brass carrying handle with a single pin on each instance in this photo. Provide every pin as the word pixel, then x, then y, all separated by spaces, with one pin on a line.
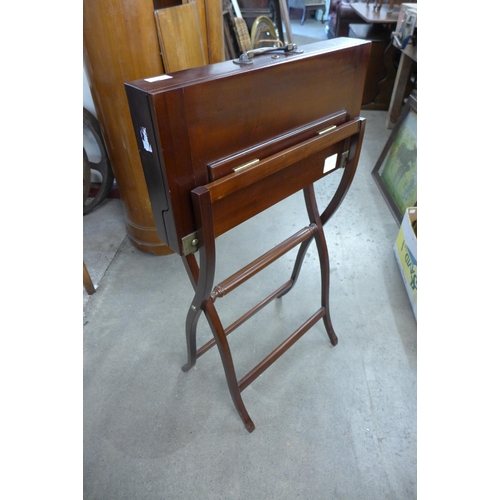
pixel 247 56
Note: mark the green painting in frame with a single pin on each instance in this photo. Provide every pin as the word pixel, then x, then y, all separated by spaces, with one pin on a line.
pixel 396 170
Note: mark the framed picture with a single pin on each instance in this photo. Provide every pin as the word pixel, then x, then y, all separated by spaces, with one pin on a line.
pixel 395 172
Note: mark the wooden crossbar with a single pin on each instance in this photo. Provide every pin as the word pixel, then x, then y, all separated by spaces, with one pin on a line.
pixel 233 326
pixel 281 349
pixel 244 274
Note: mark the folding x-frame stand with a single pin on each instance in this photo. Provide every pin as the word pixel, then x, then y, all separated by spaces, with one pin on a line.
pixel 255 181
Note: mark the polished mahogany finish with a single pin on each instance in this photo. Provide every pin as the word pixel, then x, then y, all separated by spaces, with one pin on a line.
pixel 222 143
pixel 203 115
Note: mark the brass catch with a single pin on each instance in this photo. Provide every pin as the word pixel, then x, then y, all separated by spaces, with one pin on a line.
pixel 246 165
pixel 324 131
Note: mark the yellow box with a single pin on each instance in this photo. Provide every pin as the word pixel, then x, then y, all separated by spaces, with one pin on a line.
pixel 405 250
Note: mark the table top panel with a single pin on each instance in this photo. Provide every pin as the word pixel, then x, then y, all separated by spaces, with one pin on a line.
pixel 368 13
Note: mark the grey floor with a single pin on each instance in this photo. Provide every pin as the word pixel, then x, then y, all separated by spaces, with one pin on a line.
pixel 331 422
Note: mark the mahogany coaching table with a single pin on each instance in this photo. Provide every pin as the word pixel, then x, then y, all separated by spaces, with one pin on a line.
pixel 221 143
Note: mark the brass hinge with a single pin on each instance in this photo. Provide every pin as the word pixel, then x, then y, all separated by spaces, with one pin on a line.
pixel 190 243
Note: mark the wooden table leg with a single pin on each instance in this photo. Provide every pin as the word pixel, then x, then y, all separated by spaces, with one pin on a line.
pixel 354 147
pixel 324 261
pixel 203 278
pixel 87 281
pixel 398 91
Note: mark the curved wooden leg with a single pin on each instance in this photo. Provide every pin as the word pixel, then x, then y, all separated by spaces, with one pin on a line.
pixel 227 363
pixel 353 144
pixel 191 322
pixel 192 269
pixel 324 261
pixel 298 264
pixel 194 312
pixel 344 185
pixel 203 302
pixel 348 175
pixel 202 276
pixel 312 207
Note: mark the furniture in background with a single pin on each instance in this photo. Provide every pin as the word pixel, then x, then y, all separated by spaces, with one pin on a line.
pixel 381 68
pixel 252 9
pixel 404 39
pixel 341 15
pixel 370 14
pixel 344 12
pixel 379 24
pixel 376 25
pixel 179 28
pixel 108 28
pixel 120 44
pixel 379 3
pixel 306 6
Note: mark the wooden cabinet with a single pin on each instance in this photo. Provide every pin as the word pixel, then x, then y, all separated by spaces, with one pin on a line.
pixel 121 43
pixel 381 68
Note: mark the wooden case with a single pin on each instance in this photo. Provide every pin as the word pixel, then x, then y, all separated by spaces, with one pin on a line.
pixel 197 126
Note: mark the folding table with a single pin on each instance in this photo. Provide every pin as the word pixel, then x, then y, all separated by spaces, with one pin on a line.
pixel 221 143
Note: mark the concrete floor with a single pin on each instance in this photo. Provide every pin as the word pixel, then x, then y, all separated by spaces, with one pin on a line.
pixel 331 422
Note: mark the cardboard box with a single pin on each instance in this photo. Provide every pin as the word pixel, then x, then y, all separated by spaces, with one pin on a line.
pixel 405 250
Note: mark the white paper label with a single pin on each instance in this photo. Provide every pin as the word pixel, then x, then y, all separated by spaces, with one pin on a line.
pixel 145 140
pixel 330 163
pixel 158 78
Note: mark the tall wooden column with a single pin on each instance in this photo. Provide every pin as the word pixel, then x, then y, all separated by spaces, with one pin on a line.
pixel 120 45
